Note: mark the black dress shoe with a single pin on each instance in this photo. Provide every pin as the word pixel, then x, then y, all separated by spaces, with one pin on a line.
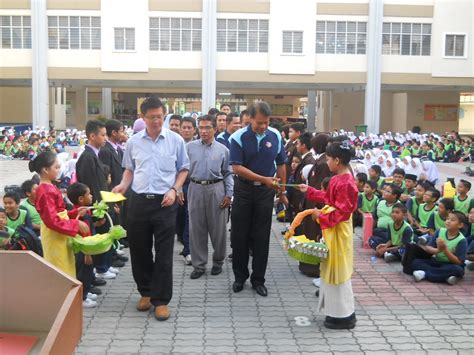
pixel 216 270
pixel 96 291
pixel 316 293
pixel 196 274
pixel 117 263
pixel 237 286
pixel 341 323
pixel 261 290
pixel 98 282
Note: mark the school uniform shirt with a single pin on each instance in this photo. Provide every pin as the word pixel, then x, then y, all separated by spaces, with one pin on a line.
pixel 465 205
pixel 456 245
pixel 32 212
pixel 23 219
pixel 424 214
pixel 401 236
pixel 383 213
pixel 365 204
pixel 412 207
pixel 436 222
pixel 260 153
pixel 223 138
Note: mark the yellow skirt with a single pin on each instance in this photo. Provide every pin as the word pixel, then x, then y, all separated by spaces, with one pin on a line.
pixel 338 267
pixel 57 249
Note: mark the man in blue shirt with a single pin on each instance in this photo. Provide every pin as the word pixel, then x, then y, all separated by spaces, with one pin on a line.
pixel 256 153
pixel 233 124
pixel 156 165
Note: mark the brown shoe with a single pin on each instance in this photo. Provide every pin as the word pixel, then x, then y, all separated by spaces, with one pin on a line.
pixel 162 312
pixel 144 304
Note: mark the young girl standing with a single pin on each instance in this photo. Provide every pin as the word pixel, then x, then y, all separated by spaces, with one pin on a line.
pixel 56 226
pixel 336 299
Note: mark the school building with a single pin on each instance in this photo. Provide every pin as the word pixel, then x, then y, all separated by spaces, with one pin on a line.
pixel 387 64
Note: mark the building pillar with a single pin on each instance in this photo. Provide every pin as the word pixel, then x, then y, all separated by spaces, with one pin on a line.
pixel 39 67
pixel 107 103
pixel 81 108
pixel 209 54
pixel 59 107
pixel 311 120
pixel 374 66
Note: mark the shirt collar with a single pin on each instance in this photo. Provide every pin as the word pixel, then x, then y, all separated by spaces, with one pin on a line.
pixel 202 142
pixel 115 146
pixel 305 155
pixel 163 133
pixel 94 149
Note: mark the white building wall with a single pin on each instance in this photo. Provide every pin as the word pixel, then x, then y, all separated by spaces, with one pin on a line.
pixel 125 13
pixel 453 16
pixel 289 18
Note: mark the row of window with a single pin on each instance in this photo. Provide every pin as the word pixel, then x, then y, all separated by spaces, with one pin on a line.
pixel 233 35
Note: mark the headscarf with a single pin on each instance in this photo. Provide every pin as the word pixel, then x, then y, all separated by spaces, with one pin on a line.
pixel 368 162
pixel 359 167
pixel 405 166
pixel 417 169
pixel 430 170
pixel 388 171
pixel 305 171
pixel 380 161
pixel 139 125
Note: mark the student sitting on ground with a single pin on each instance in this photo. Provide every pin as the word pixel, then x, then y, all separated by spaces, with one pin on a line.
pixel 449 248
pixel 437 220
pixel 366 203
pixel 360 180
pixel 409 189
pixel 463 202
pixel 4 229
pixel 383 211
pixel 29 188
pixel 399 177
pixel 426 209
pixel 375 172
pixel 16 217
pixel 399 235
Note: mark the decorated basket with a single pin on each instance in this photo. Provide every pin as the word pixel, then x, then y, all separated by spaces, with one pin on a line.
pixel 300 247
pixel 99 243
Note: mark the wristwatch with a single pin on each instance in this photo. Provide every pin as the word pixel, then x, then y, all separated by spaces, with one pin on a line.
pixel 174 188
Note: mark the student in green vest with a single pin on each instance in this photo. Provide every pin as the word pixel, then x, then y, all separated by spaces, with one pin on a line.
pixel 383 211
pixel 400 234
pixel 427 152
pixel 3 141
pixel 414 203
pixel 438 219
pixel 360 180
pixel 399 178
pixel 4 241
pixel 463 202
pixel 366 203
pixel 415 150
pixel 440 151
pixel 410 184
pixel 466 151
pixel 15 216
pixel 426 209
pixel 29 188
pixel 375 172
pixel 449 247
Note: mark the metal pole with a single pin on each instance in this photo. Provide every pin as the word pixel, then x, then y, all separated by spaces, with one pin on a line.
pixel 209 55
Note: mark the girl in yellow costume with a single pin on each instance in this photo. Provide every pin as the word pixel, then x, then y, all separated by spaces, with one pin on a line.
pixel 56 226
pixel 336 299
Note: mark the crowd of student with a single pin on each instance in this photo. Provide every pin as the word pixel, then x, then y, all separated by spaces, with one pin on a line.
pixel 395 176
pixel 397 188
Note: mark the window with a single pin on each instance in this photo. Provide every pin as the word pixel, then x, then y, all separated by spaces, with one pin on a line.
pixel 74 32
pixel 15 32
pixel 341 37
pixel 124 39
pixel 406 38
pixel 292 42
pixel 454 45
pixel 175 34
pixel 242 35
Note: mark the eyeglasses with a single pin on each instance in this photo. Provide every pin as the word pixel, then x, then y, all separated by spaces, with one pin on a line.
pixel 205 128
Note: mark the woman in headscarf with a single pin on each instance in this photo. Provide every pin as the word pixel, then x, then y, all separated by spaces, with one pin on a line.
pixel 389 167
pixel 405 164
pixel 415 167
pixel 368 159
pixel 316 175
pixel 430 172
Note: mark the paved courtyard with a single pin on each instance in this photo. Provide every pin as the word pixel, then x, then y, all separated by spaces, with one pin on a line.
pixel 395 314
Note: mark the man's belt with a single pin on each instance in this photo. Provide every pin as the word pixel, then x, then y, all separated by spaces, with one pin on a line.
pixel 206 182
pixel 250 182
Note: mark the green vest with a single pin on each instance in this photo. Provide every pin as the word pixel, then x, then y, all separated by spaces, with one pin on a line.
pixel 415 151
pixel 368 205
pixel 439 153
pixel 34 215
pixel 462 206
pixel 424 215
pixel 9 230
pixel 472 229
pixel 21 219
pixel 380 182
pixel 414 207
pixel 384 214
pixel 397 234
pixel 466 149
pixel 452 244
pixel 439 222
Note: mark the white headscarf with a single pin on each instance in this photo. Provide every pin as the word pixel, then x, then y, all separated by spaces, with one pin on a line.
pixel 305 171
pixel 359 167
pixel 380 161
pixel 368 161
pixel 417 169
pixel 388 170
pixel 405 166
pixel 430 171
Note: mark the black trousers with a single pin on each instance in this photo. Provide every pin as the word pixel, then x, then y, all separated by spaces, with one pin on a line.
pixel 85 274
pixel 150 225
pixel 251 224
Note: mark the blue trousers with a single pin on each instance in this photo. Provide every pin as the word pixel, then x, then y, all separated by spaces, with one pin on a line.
pixel 436 271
